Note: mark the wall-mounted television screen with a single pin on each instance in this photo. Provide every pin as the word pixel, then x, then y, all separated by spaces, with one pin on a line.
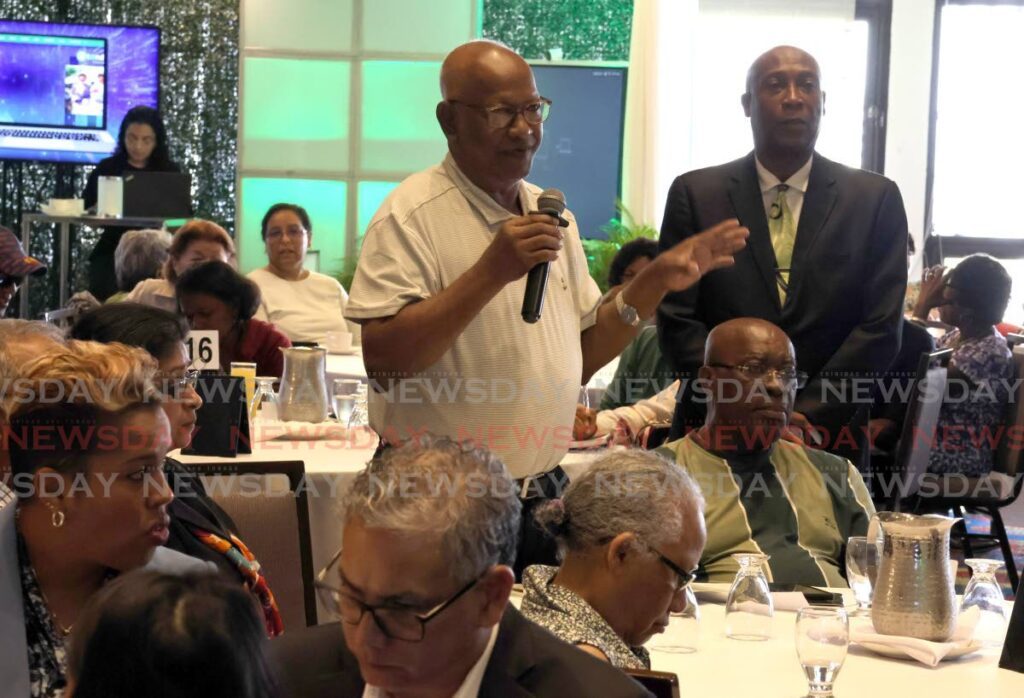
pixel 581 153
pixel 64 88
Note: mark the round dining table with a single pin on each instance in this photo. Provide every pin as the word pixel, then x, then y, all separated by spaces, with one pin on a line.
pixel 770 668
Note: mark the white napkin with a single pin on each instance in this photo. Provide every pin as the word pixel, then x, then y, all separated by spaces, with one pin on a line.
pixel 719 593
pixel 924 651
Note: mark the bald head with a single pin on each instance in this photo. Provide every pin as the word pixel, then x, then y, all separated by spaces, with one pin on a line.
pixel 741 335
pixel 477 68
pixel 772 58
pixel 486 89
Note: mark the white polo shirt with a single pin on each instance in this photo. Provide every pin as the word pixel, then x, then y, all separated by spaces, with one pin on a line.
pixel 509 385
pixel 305 310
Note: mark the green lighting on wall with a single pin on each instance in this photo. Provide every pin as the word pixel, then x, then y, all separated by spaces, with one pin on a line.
pixel 400 132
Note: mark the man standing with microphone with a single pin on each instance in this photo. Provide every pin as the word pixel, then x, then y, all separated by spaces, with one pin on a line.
pixel 440 285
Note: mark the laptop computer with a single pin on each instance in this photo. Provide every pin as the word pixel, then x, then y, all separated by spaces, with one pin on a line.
pixel 54 93
pixel 157 195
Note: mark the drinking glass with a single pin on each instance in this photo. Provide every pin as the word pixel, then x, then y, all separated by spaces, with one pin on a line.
pixel 266 398
pixel 343 398
pixel 983 591
pixel 861 571
pixel 683 633
pixel 749 608
pixel 584 398
pixel 360 416
pixel 822 638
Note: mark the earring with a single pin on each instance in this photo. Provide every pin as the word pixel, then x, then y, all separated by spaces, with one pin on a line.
pixel 57 518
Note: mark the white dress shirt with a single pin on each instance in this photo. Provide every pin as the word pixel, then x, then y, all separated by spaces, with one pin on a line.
pixel 470 687
pixel 797 184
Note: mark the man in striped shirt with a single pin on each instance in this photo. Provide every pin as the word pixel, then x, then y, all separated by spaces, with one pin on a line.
pixel 766 492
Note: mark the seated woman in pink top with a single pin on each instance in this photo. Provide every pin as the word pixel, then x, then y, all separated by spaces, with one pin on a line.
pixel 213 296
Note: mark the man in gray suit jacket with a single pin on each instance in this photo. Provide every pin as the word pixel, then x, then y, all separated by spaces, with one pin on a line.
pixel 825 259
pixel 422 586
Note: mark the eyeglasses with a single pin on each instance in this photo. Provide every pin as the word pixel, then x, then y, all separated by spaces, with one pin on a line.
pixel 396 623
pixel 684 578
pixel 8 281
pixel 502 116
pixel 174 386
pixel 787 376
pixel 295 231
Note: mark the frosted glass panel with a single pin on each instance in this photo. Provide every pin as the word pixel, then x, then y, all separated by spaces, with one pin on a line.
pixel 400 132
pixel 295 114
pixel 323 199
pixel 417 26
pixel 979 46
pixel 298 25
pixel 371 196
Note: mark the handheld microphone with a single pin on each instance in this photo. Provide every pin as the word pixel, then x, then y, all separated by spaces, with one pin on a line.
pixel 552 203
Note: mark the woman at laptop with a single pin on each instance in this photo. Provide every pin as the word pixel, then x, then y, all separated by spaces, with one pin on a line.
pixel 141 145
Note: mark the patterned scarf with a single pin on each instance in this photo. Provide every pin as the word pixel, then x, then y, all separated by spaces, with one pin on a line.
pixel 247 565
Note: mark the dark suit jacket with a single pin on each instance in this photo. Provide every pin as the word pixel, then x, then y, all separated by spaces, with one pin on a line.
pixel 846 287
pixel 526 661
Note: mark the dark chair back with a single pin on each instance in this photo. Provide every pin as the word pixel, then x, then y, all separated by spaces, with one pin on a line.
pixel 1009 457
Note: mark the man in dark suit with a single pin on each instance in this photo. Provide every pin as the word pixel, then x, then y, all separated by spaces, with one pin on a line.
pixel 422 586
pixel 825 260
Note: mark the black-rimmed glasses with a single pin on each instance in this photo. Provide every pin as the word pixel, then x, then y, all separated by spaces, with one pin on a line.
pixel 395 622
pixel 787 376
pixel 684 578
pixel 502 116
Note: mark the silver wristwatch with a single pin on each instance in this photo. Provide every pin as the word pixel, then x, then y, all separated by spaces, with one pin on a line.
pixel 627 313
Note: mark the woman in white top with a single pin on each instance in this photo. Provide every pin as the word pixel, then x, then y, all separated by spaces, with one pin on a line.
pixel 303 304
pixel 195 242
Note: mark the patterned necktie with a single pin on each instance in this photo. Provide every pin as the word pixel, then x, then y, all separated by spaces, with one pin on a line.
pixel 782 229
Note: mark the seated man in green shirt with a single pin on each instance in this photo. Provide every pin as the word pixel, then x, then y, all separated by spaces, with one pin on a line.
pixel 765 491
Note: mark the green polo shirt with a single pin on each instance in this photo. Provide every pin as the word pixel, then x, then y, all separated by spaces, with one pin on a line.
pixel 796 504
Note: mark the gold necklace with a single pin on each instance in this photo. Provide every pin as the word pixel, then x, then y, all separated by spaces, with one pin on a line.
pixel 64 630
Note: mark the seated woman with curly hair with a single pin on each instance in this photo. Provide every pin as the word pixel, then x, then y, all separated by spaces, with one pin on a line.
pixel 87 439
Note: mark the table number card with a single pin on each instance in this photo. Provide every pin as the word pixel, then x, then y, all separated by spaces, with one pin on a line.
pixel 1013 646
pixel 204 349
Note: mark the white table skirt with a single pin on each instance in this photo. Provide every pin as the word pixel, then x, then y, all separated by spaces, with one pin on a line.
pixel 769 669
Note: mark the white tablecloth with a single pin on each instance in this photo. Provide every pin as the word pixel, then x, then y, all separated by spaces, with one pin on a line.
pixel 345 366
pixel 770 669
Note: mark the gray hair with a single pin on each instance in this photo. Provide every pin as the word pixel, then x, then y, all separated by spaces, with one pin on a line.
pixel 12 330
pixel 461 493
pixel 631 491
pixel 140 255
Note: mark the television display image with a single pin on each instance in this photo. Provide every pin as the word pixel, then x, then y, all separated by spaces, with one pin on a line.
pixel 64 88
pixel 581 153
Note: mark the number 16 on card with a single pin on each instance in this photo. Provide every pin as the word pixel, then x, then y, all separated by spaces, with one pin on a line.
pixel 203 349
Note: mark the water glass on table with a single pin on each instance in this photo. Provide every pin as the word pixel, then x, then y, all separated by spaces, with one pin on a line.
pixel 822 639
pixel 861 571
pixel 749 608
pixel 343 398
pixel 983 591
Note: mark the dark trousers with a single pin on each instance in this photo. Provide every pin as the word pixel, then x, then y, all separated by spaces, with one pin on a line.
pixel 536 547
pixel 102 277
